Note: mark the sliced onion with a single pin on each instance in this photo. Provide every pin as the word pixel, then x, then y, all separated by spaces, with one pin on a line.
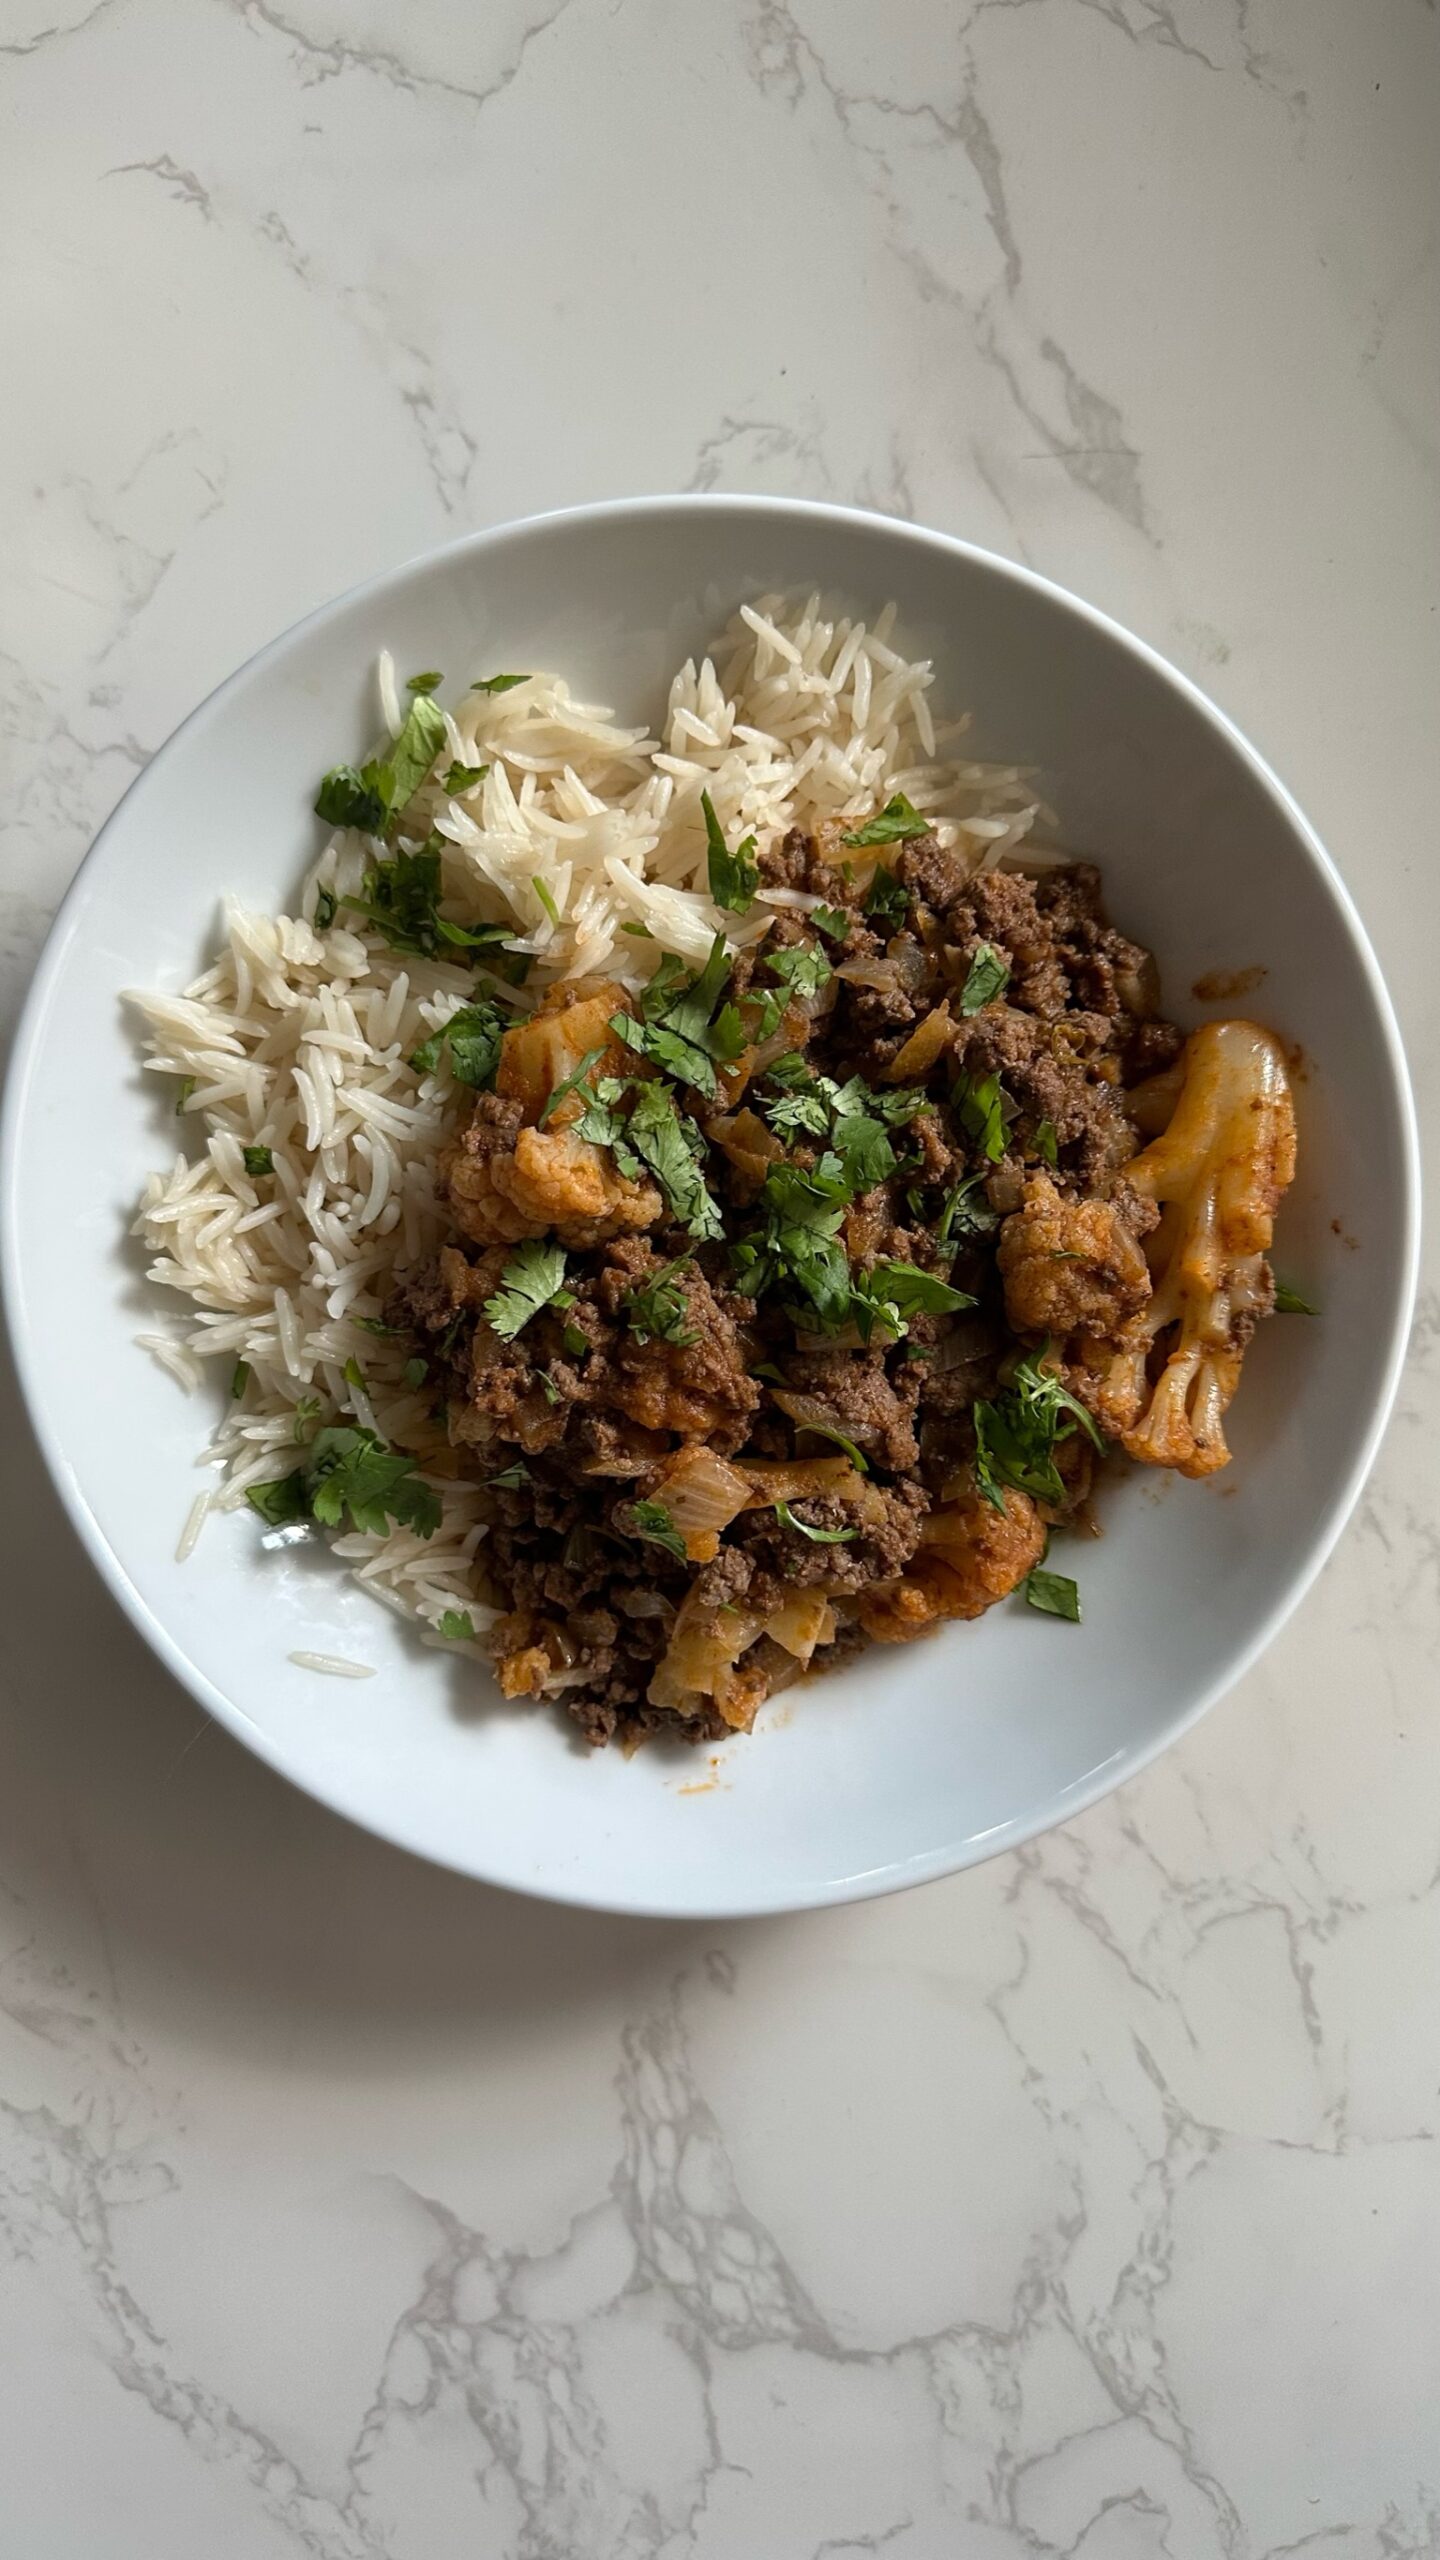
pixel 803 1620
pixel 811 1413
pixel 796 1479
pixel 880 973
pixel 920 1051
pixel 969 1338
pixel 705 1644
pixel 750 1146
pixel 702 1494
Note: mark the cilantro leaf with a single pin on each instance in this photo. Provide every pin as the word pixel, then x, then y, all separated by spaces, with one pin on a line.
pixel 904 1289
pixel 430 682
pixel 415 1372
pixel 497 684
pixel 325 905
pixel 658 1310
pixel 980 1106
pixel 510 1479
pixel 1288 1301
pixel 239 1379
pixel 820 1537
pixel 828 1431
pixel 400 898
pixel 896 821
pixel 734 877
pixel 462 777
pixel 281 1501
pixel 887 901
pixel 307 1414
pixel 258 1162
pixel 471 1038
pixel 415 750
pixel 798 1249
pixel 803 968
pixel 1047 1142
pixel 457 1626
pixel 350 799
pixel 572 1083
pixel 350 1469
pixel 987 974
pixel 354 1377
pixel 1017 1432
pixel 673 1148
pixel 545 897
pixel 963 1215
pixel 533 1275
pixel 675 1027
pixel 653 1521
pixel 834 921
pixel 1055 1593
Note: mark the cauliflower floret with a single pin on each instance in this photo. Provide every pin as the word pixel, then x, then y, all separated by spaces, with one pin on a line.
pixel 1070 1266
pixel 1221 1170
pixel 970 1555
pixel 506 1178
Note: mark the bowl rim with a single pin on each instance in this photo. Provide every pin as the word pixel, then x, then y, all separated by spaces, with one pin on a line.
pixel 1124 1766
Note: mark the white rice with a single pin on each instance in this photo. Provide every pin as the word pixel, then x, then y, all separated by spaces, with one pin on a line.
pixel 299 1041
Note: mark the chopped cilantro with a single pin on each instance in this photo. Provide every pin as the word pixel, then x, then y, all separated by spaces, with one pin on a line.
pixel 798 1248
pixel 657 1311
pixel 497 684
pixel 678 1027
pixel 1047 1141
pixel 552 1392
pixel 354 1377
pixel 463 777
pixel 534 1274
pixel 258 1162
pixel 282 1500
pixel 457 1626
pixel 352 1470
pixel 510 1479
pixel 1055 1593
pixel 963 1214
pixel 376 1324
pixel 896 821
pixel 821 1537
pixel 307 1414
pixel 400 898
pixel 803 968
pixel 904 1290
pixel 430 682
pixel 415 1372
pixel 471 1039
pixel 325 905
pixel 734 877
pixel 1017 1433
pixel 640 932
pixel 183 1091
pixel 545 897
pixel 370 798
pixel 1288 1301
pixel 672 1147
pixel 653 1521
pixel 572 1083
pixel 833 921
pixel 887 901
pixel 239 1378
pixel 987 974
pixel 980 1104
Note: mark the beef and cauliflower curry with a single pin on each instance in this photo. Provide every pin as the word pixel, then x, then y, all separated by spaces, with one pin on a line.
pixel 792 1304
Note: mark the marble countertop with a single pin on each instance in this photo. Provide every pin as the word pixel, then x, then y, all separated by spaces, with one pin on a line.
pixel 1088 2204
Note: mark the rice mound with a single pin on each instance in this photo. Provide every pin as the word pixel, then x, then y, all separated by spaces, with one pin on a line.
pixel 299 1041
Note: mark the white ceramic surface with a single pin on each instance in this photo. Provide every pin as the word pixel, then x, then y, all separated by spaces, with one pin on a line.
pixel 1084 2206
pixel 905 1764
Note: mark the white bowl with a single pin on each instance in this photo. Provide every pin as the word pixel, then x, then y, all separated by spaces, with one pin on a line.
pixel 912 1762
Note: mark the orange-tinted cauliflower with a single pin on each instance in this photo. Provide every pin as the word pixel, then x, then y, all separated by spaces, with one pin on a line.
pixel 547 1181
pixel 1219 1171
pixel 1070 1266
pixel 970 1555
